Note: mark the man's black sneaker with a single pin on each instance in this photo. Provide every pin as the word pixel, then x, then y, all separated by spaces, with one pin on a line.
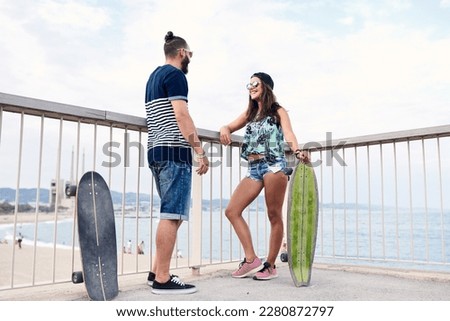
pixel 173 286
pixel 151 278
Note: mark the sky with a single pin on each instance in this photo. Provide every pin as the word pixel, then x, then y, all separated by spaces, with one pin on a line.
pixel 347 67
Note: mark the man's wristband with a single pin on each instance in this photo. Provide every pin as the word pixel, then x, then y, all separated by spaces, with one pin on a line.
pixel 202 155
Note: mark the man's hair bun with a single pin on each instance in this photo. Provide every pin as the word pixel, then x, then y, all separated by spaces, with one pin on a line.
pixel 169 36
pixel 172 44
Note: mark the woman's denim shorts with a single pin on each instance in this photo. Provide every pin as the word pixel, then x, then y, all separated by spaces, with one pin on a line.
pixel 260 167
pixel 173 183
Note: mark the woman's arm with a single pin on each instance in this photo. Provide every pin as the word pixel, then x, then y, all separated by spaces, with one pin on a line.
pixel 225 131
pixel 290 137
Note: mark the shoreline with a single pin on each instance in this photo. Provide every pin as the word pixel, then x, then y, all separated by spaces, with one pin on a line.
pixel 31 217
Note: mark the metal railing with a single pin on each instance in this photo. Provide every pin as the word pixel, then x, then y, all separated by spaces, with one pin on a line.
pixel 385 200
pixel 383 197
pixel 45 147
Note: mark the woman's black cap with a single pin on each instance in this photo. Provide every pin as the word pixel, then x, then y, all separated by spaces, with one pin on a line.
pixel 265 78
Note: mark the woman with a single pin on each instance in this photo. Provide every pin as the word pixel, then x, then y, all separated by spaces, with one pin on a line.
pixel 268 126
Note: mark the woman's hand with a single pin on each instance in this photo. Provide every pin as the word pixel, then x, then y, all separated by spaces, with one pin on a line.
pixel 303 155
pixel 225 135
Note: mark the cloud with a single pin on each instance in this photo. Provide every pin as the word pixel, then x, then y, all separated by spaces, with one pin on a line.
pixel 72 14
pixel 398 5
pixel 383 78
pixel 445 3
pixel 23 58
pixel 348 21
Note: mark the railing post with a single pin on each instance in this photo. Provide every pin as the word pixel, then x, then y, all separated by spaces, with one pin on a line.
pixel 196 221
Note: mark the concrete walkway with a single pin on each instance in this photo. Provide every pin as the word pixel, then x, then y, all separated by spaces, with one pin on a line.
pixel 329 283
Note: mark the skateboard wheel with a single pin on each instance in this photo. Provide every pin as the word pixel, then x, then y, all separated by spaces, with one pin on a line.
pixel 71 190
pixel 77 277
pixel 284 257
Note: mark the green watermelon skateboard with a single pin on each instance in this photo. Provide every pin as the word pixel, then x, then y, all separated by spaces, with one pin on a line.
pixel 302 219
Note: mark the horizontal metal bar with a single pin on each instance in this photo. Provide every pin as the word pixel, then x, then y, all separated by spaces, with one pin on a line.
pixel 383 138
pixel 38 107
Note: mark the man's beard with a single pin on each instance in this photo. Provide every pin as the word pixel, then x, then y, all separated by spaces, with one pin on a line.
pixel 184 65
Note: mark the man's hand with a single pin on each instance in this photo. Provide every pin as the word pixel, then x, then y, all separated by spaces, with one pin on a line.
pixel 203 165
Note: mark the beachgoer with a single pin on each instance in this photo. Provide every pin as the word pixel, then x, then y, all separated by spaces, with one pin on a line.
pixel 268 127
pixel 172 137
pixel 140 248
pixel 129 244
pixel 19 240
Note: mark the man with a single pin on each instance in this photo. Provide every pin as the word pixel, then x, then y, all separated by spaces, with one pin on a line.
pixel 172 136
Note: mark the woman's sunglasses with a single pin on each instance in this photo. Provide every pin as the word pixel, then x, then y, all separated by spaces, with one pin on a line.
pixel 253 84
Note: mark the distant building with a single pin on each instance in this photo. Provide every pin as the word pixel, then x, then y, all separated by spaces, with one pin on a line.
pixel 58 192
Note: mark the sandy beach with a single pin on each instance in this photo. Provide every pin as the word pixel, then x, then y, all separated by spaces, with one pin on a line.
pixel 53 265
pixel 17 267
pixel 17 264
pixel 31 265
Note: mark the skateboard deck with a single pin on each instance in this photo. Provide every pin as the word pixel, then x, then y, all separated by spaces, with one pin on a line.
pixel 302 219
pixel 97 237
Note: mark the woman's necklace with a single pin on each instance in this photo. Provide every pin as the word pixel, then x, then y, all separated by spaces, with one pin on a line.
pixel 258 114
pixel 257 117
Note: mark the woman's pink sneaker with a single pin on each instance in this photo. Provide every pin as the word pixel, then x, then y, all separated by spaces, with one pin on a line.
pixel 246 269
pixel 266 273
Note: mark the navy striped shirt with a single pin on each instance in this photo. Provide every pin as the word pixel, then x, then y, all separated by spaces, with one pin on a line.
pixel 165 141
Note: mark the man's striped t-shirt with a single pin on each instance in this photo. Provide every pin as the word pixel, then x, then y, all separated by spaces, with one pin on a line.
pixel 165 141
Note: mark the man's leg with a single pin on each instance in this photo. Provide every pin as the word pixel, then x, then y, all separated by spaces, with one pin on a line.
pixel 166 235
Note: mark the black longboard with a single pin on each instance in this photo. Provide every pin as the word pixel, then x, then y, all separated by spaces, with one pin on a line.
pixel 97 238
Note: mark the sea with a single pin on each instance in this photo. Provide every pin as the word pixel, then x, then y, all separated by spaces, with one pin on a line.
pixel 403 238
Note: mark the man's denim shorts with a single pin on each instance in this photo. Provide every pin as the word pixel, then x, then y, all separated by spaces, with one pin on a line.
pixel 257 169
pixel 173 183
